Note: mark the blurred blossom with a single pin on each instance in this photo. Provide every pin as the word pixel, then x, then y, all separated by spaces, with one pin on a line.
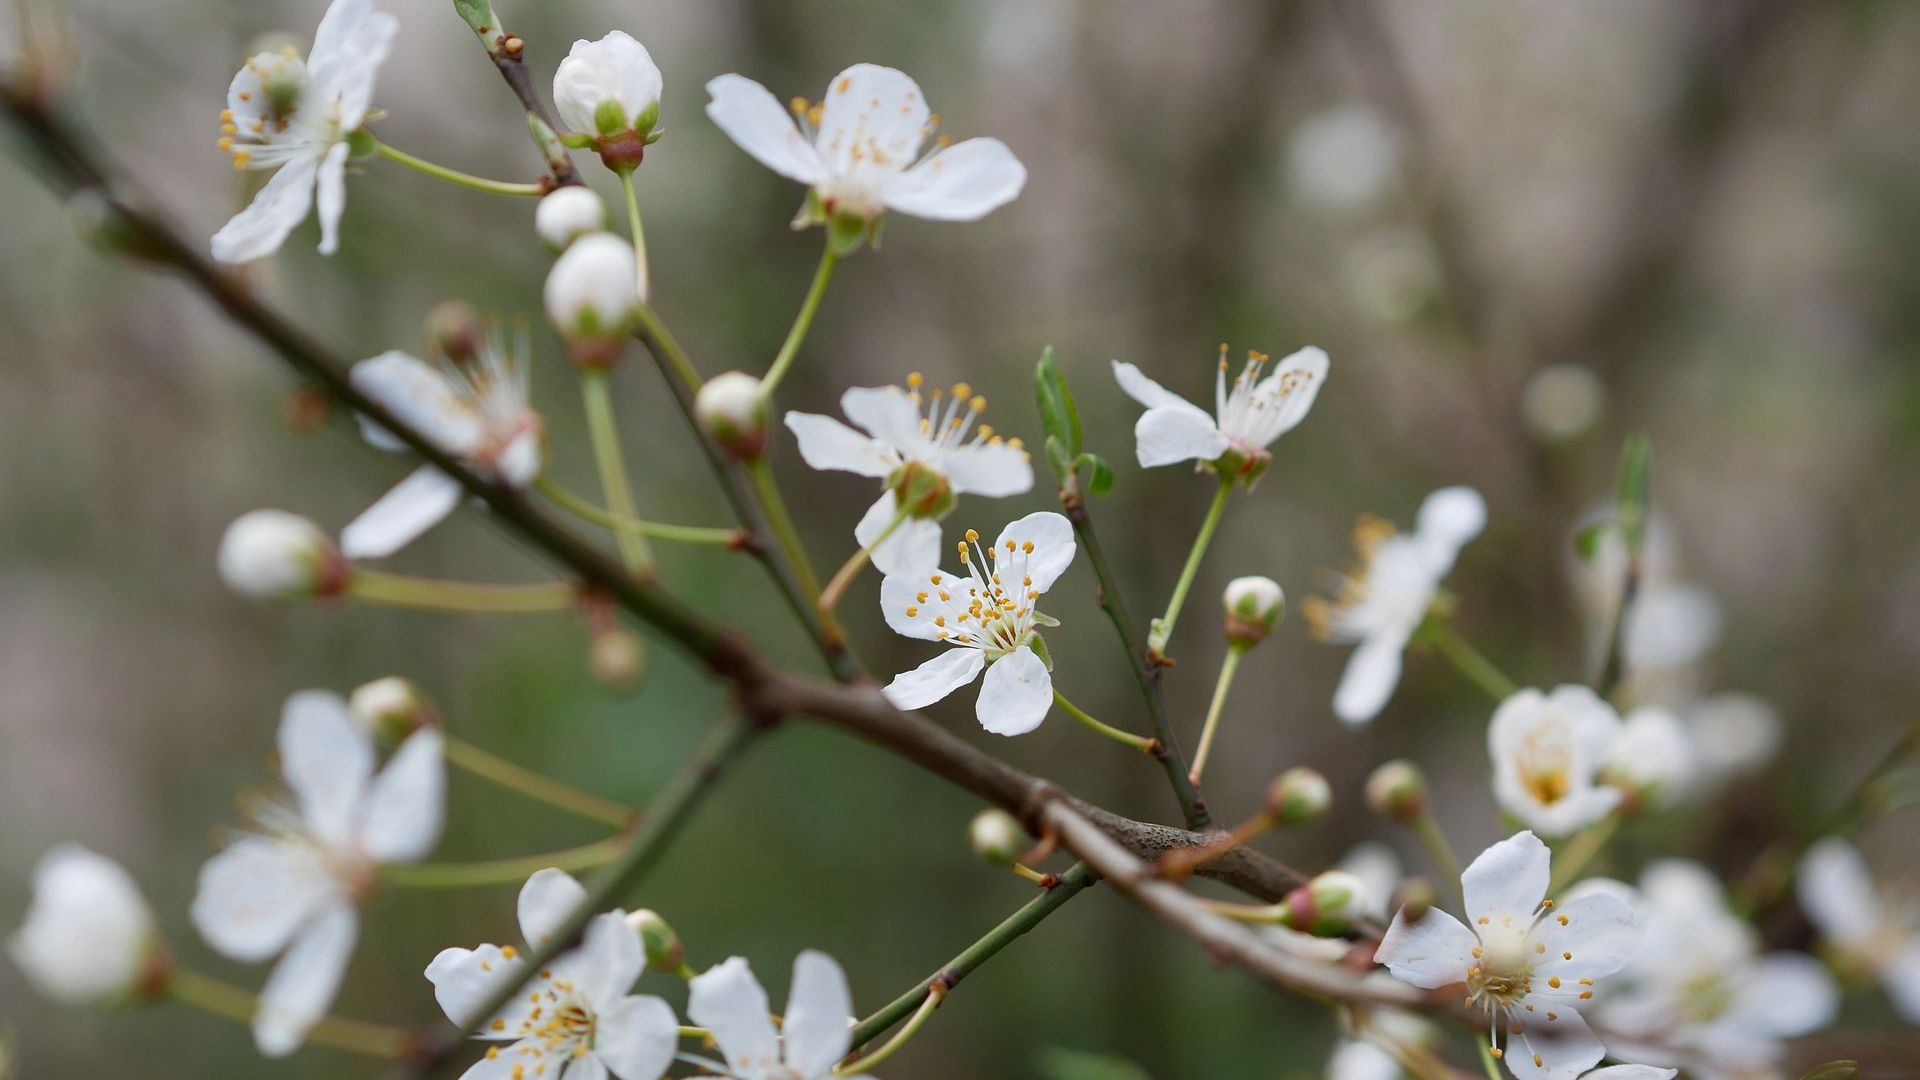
pixel 1671 626
pixel 1382 1039
pixel 1392 274
pixel 1877 930
pixel 1699 993
pixel 1733 734
pixel 1379 871
pixel 89 936
pixel 1562 402
pixel 1548 750
pixel 1342 158
pixel 1653 758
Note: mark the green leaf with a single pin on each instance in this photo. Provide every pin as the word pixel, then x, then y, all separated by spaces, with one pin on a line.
pixel 1099 473
pixel 1057 413
pixel 1586 542
pixel 1835 1070
pixel 1058 459
pixel 1633 491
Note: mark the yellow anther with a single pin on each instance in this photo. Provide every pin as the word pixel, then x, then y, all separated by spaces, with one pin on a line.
pixel 1562 919
pixel 1538 1063
pixel 1586 995
pixel 1027 547
pixel 939 620
pixel 912 612
pixel 978 404
pixel 961 547
pixel 798 105
pixel 226 116
pixel 935 579
pixel 1016 443
pixel 229 129
pixel 1027 580
pixel 961 390
pixel 1554 982
pixel 493 1052
pixel 914 380
pixel 509 951
pixel 1496 1052
pixel 986 431
pixel 1009 545
pixel 225 144
pixel 972 536
pixel 1566 956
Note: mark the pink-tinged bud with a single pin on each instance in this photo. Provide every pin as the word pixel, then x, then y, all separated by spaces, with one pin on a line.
pixel 1327 906
pixel 1414 897
pixel 1300 796
pixel 1398 791
pixel 456 331
pixel 1254 606
pixel 665 953
pixel 733 413
pixel 391 709
pixel 996 837
pixel 274 555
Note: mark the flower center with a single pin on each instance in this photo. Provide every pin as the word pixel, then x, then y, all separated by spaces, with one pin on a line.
pixel 1545 763
pixel 946 418
pixel 1503 973
pixel 1000 596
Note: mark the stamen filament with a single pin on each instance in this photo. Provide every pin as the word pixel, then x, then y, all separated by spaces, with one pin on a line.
pixel 466 180
pixel 1162 628
pixel 498 770
pixel 1138 742
pixel 398 590
pixel 223 999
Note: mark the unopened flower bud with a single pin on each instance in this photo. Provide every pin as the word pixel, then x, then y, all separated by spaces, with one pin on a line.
pixel 592 296
pixel 617 658
pixel 733 413
pixel 610 90
pixel 1326 906
pixel 274 555
pixel 1398 790
pixel 1255 605
pixel 1414 897
pixel 567 214
pixel 456 331
pixel 391 709
pixel 89 936
pixel 665 954
pixel 1299 796
pixel 996 837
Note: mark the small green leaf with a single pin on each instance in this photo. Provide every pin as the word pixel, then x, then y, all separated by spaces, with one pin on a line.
pixel 1586 542
pixel 1099 473
pixel 1633 492
pixel 1057 413
pixel 1058 459
pixel 1835 1070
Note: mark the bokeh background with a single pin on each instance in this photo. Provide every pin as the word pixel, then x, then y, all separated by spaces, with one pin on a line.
pixel 1697 220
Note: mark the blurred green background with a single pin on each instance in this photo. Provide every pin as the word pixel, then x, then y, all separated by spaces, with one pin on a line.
pixel 1710 208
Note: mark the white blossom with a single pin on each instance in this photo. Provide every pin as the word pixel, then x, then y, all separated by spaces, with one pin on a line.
pixel 1530 965
pixel 594 288
pixel 275 555
pixel 566 214
pixel 296 117
pixel 1876 929
pixel 478 411
pixel 986 617
pixel 1698 991
pixel 1385 599
pixel 576 1014
pixel 817 1028
pixel 1732 734
pixel 926 460
pixel 88 936
pixel 1258 408
pixel 1548 750
pixel 293 885
pixel 608 86
pixel 860 149
pixel 1652 759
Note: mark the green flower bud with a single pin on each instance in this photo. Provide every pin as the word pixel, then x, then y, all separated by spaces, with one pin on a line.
pixel 1254 605
pixel 1327 906
pixel 391 709
pixel 1398 791
pixel 996 837
pixel 665 953
pixel 1300 796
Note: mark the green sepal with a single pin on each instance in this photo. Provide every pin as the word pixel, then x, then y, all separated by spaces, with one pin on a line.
pixel 361 144
pixel 575 140
pixel 846 232
pixel 1039 646
pixel 609 118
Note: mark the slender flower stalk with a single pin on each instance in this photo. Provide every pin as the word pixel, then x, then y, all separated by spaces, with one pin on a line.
pixel 1433 840
pixel 680 534
pixel 936 994
pixel 223 999
pixel 639 235
pixel 1469 661
pixel 1582 850
pixel 830 597
pixel 399 590
pixel 664 346
pixel 491 872
pixel 1162 627
pixel 603 429
pixel 802 322
pixel 1138 742
pixel 455 176
pixel 498 770
pixel 775 509
pixel 1229 665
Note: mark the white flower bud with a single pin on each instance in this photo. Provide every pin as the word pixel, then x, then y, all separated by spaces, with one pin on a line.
pixel 391 709
pixel 608 87
pixel 1299 796
pixel 274 555
pixel 567 214
pixel 1255 605
pixel 665 953
pixel 89 936
pixel 1326 906
pixel 733 413
pixel 996 837
pixel 592 295
pixel 1652 760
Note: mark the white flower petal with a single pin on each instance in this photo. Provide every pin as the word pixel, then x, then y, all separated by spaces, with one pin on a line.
pixel 965 182
pixel 1170 436
pixel 610 959
pixel 1372 673
pixel 546 901
pixel 249 95
pixel 819 1015
pixel 828 444
pixel 1355 1059
pixel 256 893
pixel 519 464
pixel 759 124
pixel 913 548
pixel 614 69
pixel 888 413
pixel 872 121
pixel 466 979
pixel 1901 976
pixel 330 196
pixel 1597 928
pixel 1448 519
pixel 304 982
pixel 1285 396
pixel 278 208
pixel 935 679
pixel 588 1067
pixel 326 760
pixel 728 1001
pixel 637 1037
pixel 1630 1072
pixel 1508 879
pixel 405 808
pixel 1784 995
pixel 995 470
pixel 1053 545
pixel 1837 892
pixel 901 593
pixel 1016 694
pixel 420 396
pixel 402 515
pixel 1562 1047
pixel 353 40
pixel 1432 951
pixel 1144 390
pixel 89 934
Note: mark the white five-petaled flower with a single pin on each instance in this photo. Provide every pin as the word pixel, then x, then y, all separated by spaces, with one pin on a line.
pixel 1652 760
pixel 293 885
pixel 296 117
pixel 859 150
pixel 89 936
pixel 1529 963
pixel 576 1013
pixel 987 616
pixel 1257 409
pixel 607 87
pixel 1698 992
pixel 926 460
pixel 1385 599
pixel 478 411
pixel 1548 750
pixel 816 1032
pixel 1877 930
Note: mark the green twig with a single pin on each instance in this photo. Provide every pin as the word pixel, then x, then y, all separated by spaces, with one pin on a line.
pixel 220 998
pixel 455 176
pixel 1138 742
pixel 427 594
